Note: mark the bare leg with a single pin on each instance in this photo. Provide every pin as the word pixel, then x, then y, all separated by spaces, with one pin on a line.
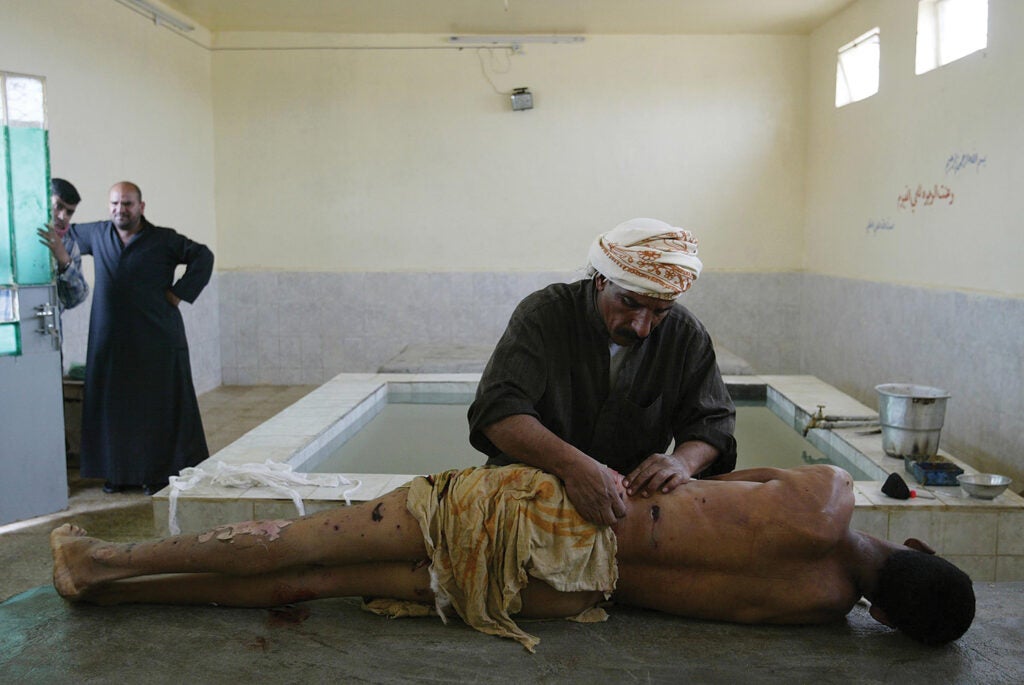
pixel 384 579
pixel 372 549
pixel 377 531
pixel 388 579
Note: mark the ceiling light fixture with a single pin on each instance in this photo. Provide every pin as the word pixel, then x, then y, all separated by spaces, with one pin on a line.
pixel 512 40
pixel 160 17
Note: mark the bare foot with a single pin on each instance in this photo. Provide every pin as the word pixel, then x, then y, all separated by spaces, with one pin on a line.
pixel 70 548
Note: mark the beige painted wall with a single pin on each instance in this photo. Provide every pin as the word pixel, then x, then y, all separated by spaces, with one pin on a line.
pixel 863 157
pixel 126 100
pixel 321 153
pixel 340 159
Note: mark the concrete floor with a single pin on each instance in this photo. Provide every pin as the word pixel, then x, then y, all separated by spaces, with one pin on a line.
pixel 43 639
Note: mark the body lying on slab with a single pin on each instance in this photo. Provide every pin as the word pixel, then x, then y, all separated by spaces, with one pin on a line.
pixel 756 546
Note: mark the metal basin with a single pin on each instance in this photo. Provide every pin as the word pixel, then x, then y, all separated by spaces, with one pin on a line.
pixel 983 485
pixel 911 417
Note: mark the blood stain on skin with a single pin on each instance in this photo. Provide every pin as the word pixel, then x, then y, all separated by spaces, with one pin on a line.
pixel 655 515
pixel 377 516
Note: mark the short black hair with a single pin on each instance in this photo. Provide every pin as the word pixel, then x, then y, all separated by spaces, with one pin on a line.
pixel 925 596
pixel 65 191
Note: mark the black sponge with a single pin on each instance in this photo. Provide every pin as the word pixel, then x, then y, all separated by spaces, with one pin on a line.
pixel 896 487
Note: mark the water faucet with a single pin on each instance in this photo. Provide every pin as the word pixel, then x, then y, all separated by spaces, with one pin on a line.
pixel 816 419
pixel 821 420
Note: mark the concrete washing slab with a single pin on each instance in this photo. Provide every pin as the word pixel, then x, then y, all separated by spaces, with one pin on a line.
pixel 45 640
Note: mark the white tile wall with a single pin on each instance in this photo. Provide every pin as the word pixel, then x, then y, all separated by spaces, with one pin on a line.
pixel 305 328
pixel 1011 533
pixel 283 328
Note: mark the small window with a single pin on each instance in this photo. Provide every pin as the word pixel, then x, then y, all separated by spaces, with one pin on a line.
pixel 857 69
pixel 948 30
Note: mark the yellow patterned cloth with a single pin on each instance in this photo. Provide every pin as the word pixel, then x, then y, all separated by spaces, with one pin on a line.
pixel 488 530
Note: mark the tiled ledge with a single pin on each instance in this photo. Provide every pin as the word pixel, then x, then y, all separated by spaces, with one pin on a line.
pixel 323 416
pixel 985 537
pixel 805 393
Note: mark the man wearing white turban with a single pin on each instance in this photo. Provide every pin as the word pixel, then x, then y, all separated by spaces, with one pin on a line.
pixel 601 375
pixel 647 257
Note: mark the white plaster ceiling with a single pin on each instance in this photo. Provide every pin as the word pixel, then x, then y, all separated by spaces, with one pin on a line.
pixel 512 16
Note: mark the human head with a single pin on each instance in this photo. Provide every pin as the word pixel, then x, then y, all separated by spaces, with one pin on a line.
pixel 924 596
pixel 639 268
pixel 126 205
pixel 64 199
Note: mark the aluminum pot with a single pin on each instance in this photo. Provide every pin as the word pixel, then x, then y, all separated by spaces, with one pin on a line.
pixel 911 417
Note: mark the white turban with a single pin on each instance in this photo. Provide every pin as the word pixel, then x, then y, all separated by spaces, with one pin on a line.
pixel 648 257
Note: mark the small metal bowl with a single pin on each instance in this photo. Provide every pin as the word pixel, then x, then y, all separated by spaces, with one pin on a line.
pixel 983 485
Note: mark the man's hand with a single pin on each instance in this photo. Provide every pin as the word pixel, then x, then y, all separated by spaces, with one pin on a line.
pixel 597 492
pixel 664 472
pixel 172 298
pixel 48 236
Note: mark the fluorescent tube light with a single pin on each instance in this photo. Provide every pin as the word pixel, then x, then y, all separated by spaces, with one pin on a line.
pixel 158 15
pixel 512 39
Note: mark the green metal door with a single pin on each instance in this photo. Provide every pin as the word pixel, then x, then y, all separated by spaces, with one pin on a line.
pixel 33 467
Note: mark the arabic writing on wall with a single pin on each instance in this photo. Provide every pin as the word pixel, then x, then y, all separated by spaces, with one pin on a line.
pixel 925 197
pixel 937 194
pixel 876 225
pixel 961 160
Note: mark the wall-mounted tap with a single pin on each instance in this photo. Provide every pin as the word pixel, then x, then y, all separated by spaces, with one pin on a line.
pixel 816 419
pixel 827 422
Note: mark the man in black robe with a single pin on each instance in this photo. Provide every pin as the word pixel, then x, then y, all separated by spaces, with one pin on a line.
pixel 140 415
